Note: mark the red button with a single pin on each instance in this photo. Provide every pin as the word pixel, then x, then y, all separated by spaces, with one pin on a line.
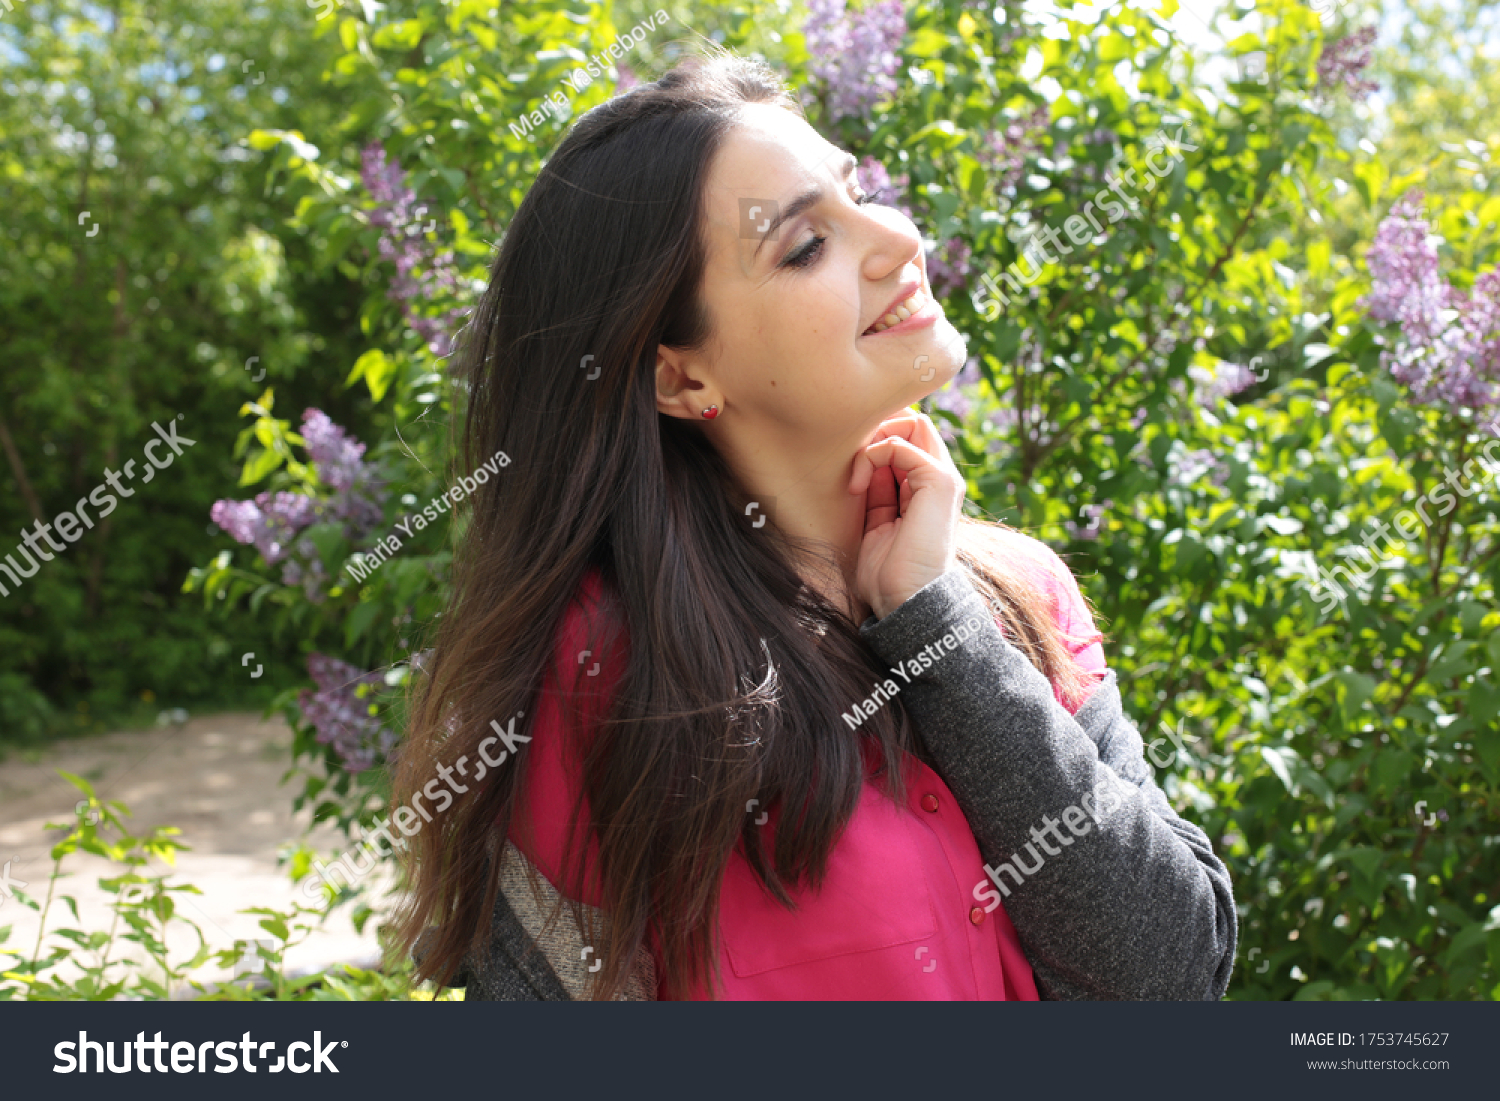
pixel 930 802
pixel 976 915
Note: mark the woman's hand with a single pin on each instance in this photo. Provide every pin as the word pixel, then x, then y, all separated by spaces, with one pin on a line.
pixel 905 547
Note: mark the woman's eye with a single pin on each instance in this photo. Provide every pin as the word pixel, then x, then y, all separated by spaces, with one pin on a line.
pixel 808 252
pixel 804 255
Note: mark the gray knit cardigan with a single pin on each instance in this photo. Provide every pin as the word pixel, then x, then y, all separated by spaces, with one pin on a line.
pixel 1137 907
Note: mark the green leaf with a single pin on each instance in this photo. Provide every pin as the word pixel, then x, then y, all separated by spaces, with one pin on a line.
pixel 377 369
pixel 259 465
pixel 1275 757
pixel 359 622
pixel 1369 177
pixel 1357 690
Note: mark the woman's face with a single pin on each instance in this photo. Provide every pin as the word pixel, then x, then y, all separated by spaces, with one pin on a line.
pixel 799 277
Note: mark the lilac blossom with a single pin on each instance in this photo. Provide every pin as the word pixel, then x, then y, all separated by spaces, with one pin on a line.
pixel 1005 152
pixel 952 397
pixel 1192 465
pixel 341 715
pixel 1005 419
pixel 273 522
pixel 422 273
pixel 357 500
pixel 855 55
pixel 1344 59
pixel 1227 380
pixel 948 266
pixel 627 79
pixel 873 178
pixel 306 569
pixel 1448 350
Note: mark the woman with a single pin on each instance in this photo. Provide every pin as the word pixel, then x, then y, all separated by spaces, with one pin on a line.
pixel 781 717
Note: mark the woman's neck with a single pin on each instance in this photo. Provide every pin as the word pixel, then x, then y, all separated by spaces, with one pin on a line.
pixel 802 480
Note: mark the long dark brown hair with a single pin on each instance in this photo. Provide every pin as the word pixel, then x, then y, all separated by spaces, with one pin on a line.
pixel 738 673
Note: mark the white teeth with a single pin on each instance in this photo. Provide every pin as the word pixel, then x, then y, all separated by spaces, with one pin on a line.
pixel 900 314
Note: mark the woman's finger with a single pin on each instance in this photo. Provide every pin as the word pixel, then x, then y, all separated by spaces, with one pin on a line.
pixel 881 499
pixel 914 469
pixel 904 424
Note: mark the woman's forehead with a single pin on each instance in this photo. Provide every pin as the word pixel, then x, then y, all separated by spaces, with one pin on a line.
pixel 769 158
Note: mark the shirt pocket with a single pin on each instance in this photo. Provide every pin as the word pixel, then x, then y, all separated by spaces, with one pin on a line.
pixel 875 895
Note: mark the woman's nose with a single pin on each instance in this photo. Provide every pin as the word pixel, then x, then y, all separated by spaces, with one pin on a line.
pixel 893 242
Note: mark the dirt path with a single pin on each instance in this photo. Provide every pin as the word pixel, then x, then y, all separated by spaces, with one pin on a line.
pixel 217 779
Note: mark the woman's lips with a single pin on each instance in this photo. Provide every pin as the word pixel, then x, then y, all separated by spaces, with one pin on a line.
pixel 927 315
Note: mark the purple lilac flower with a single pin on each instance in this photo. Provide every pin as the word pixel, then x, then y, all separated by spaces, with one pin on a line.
pixel 855 55
pixel 341 715
pixel 1344 59
pixel 357 500
pixel 1006 419
pixel 627 80
pixel 421 273
pixel 1005 152
pixel 873 178
pixel 948 266
pixel 1192 465
pixel 1449 348
pixel 952 397
pixel 272 521
pixel 306 569
pixel 1226 381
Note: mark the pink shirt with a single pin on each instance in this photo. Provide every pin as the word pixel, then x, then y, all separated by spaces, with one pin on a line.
pixel 896 918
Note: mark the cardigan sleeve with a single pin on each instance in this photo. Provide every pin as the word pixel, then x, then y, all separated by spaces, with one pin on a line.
pixel 1112 893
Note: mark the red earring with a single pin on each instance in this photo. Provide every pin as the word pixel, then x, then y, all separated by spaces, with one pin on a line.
pixel 711 412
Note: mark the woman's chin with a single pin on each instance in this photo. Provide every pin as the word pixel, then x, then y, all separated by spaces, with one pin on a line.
pixel 948 357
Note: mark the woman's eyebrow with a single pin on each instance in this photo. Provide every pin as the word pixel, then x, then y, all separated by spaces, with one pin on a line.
pixel 802 202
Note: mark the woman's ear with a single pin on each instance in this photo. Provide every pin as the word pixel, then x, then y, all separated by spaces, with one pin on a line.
pixel 678 393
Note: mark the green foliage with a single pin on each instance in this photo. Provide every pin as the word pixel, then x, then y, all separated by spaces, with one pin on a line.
pixel 1311 730
pixel 143 264
pixel 143 908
